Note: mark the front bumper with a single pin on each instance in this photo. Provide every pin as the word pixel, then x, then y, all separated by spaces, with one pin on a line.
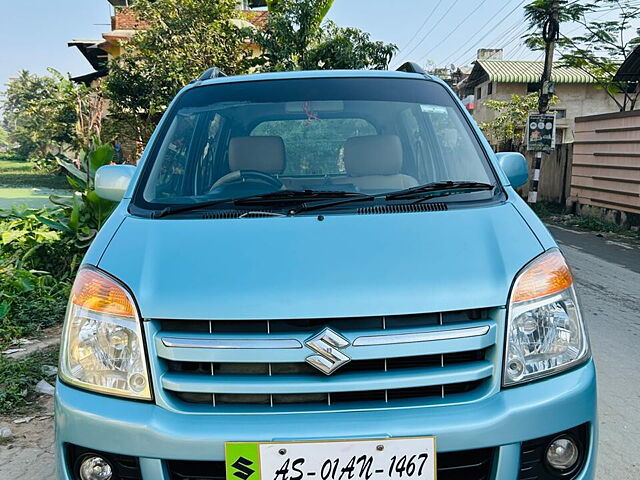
pixel 502 421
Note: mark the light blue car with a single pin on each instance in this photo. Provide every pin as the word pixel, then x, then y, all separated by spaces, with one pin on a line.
pixel 323 276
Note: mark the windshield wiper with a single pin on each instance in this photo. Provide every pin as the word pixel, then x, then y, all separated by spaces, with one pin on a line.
pixel 260 199
pixel 296 196
pixel 441 188
pixel 352 197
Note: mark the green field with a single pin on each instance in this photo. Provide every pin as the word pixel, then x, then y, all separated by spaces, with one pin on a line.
pixel 20 184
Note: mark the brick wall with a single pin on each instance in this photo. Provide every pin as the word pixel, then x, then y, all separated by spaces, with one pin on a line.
pixel 125 19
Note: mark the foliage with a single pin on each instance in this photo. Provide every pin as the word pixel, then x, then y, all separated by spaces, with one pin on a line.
pixel 4 138
pixel 40 114
pixel 36 265
pixel 295 38
pixel 507 128
pixel 85 212
pixel 601 46
pixel 27 242
pixel 19 377
pixel 348 48
pixel 29 302
pixel 184 38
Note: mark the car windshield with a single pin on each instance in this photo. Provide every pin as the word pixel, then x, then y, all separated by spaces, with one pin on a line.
pixel 367 135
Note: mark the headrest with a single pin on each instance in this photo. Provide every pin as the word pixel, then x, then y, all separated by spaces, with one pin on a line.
pixel 373 155
pixel 265 154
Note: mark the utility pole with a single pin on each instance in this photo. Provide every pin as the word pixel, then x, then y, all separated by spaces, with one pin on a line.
pixel 550 34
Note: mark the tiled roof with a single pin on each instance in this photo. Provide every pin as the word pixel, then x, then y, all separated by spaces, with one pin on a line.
pixel 520 71
pixel 116 35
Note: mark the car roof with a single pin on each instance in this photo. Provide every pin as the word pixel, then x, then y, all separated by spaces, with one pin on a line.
pixel 313 74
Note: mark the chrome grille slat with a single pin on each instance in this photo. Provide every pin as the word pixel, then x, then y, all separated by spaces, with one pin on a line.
pixel 410 357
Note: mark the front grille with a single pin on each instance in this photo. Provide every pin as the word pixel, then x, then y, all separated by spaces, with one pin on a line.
pixel 467 465
pixel 216 364
pixel 311 325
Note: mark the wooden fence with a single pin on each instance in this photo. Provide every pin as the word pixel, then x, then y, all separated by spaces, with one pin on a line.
pixel 605 170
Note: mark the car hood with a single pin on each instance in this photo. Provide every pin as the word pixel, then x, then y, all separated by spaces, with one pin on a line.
pixel 301 267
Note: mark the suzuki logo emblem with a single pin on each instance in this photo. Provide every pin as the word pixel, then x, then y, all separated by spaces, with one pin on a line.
pixel 327 345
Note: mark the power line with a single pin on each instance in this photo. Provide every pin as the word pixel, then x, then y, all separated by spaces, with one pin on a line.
pixel 489 32
pixel 453 4
pixel 421 27
pixel 513 34
pixel 454 29
pixel 508 33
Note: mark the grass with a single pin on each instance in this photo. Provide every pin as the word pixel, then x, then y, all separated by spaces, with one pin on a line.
pixel 556 214
pixel 20 184
pixel 18 379
pixel 28 314
pixel 19 173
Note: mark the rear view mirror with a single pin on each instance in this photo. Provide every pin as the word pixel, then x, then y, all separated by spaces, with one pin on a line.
pixel 514 165
pixel 112 181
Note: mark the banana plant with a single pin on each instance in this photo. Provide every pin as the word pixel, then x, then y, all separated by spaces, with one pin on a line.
pixel 86 211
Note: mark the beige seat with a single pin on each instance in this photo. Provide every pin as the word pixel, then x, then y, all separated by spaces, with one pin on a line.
pixel 264 154
pixel 374 163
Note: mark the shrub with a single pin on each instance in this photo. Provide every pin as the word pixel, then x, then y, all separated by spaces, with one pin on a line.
pixel 19 377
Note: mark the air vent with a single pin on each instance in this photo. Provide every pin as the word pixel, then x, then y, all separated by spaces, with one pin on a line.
pixel 403 208
pixel 220 214
pixel 227 214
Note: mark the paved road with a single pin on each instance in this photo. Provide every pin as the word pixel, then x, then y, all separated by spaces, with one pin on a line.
pixel 608 283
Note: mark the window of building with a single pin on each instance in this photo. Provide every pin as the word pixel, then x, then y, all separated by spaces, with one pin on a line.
pixel 533 87
pixel 560 112
pixel 478 93
pixel 490 88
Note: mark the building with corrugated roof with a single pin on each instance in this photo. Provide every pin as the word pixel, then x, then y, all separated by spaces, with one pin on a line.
pixel 497 79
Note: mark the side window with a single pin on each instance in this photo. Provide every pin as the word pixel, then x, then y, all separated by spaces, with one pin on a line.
pixel 208 163
pixel 170 167
pixel 314 146
pixel 420 153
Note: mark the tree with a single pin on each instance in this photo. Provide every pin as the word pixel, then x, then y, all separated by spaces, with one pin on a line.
pixel 184 38
pixel 348 48
pixel 601 48
pixel 508 127
pixel 4 138
pixel 40 113
pixel 295 38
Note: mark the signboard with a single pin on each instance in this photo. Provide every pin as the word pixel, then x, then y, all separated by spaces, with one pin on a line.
pixel 541 132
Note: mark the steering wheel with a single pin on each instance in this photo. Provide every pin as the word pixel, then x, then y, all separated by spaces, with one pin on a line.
pixel 240 176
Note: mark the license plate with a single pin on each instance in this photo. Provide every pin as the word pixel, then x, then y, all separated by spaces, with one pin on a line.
pixel 393 459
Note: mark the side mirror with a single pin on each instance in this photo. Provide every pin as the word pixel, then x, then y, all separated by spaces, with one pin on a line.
pixel 112 181
pixel 515 167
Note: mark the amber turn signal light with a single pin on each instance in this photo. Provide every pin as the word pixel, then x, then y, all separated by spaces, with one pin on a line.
pixel 546 275
pixel 95 291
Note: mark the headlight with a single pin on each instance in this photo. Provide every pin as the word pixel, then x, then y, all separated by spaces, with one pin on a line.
pixel 545 331
pixel 102 345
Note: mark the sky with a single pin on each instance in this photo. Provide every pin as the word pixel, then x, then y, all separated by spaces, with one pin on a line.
pixel 34 33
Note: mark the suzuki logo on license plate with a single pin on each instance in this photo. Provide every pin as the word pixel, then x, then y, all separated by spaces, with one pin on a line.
pixel 327 345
